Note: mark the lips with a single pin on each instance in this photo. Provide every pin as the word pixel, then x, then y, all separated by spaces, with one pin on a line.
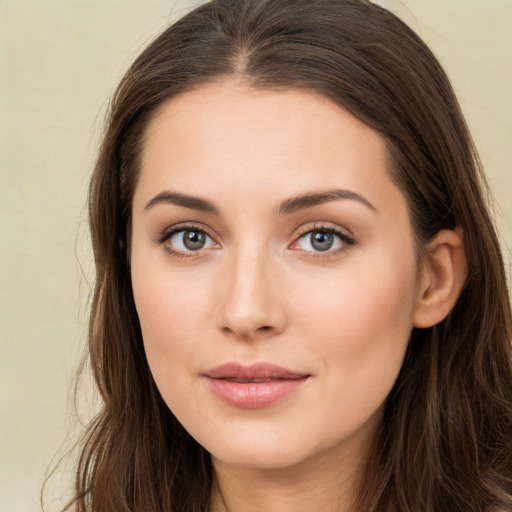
pixel 254 386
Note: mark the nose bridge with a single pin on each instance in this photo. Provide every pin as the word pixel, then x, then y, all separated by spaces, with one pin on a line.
pixel 252 304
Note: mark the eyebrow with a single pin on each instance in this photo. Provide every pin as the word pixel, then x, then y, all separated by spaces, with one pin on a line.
pixel 192 202
pixel 304 201
pixel 292 205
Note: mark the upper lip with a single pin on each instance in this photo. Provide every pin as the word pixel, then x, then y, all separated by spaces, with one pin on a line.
pixel 256 371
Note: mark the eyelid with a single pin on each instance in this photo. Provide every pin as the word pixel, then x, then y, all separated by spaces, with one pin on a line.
pixel 346 236
pixel 324 226
pixel 183 226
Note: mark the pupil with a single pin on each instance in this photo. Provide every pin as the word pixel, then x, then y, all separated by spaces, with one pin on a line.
pixel 194 240
pixel 321 240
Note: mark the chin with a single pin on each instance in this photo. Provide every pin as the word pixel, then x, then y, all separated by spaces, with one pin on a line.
pixel 257 450
pixel 264 458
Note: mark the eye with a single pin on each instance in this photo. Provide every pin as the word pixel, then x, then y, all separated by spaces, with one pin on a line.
pixel 188 240
pixel 321 240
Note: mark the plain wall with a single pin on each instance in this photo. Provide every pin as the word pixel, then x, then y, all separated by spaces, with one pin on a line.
pixel 59 62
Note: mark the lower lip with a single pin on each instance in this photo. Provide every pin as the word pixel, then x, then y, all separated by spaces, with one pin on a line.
pixel 254 395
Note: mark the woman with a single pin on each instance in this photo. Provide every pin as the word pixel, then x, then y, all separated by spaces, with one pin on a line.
pixel 300 299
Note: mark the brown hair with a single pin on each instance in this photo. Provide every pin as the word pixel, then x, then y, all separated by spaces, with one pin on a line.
pixel 446 439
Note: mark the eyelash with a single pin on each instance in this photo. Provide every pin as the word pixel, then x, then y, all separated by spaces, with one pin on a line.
pixel 346 240
pixel 170 232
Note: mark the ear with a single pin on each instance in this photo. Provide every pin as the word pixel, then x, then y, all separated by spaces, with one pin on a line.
pixel 443 276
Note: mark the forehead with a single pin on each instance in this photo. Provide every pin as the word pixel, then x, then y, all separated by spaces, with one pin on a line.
pixel 230 138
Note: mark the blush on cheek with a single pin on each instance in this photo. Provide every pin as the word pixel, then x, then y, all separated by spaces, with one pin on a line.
pixel 368 322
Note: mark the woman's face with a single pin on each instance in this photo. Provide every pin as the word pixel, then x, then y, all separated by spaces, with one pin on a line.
pixel 274 272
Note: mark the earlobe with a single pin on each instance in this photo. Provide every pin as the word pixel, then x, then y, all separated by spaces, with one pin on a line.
pixel 443 277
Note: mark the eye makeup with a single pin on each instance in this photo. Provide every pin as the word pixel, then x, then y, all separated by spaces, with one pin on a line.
pixel 327 241
pixel 193 241
pixel 319 241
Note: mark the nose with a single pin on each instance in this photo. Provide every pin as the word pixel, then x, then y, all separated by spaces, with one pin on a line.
pixel 252 303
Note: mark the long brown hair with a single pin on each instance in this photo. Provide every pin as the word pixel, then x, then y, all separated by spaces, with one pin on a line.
pixel 446 439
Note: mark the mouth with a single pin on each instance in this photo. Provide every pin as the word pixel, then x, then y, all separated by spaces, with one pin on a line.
pixel 247 381
pixel 254 386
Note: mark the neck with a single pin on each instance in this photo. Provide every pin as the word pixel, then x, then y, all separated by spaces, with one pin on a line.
pixel 326 482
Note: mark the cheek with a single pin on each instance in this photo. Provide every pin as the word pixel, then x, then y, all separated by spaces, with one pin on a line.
pixel 170 315
pixel 172 312
pixel 359 302
pixel 159 302
pixel 165 305
pixel 360 324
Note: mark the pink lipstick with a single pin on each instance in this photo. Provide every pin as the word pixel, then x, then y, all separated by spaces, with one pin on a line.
pixel 255 386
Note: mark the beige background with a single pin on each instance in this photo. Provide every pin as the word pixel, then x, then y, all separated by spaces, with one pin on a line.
pixel 59 61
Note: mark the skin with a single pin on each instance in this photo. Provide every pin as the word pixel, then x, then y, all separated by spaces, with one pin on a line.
pixel 259 291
